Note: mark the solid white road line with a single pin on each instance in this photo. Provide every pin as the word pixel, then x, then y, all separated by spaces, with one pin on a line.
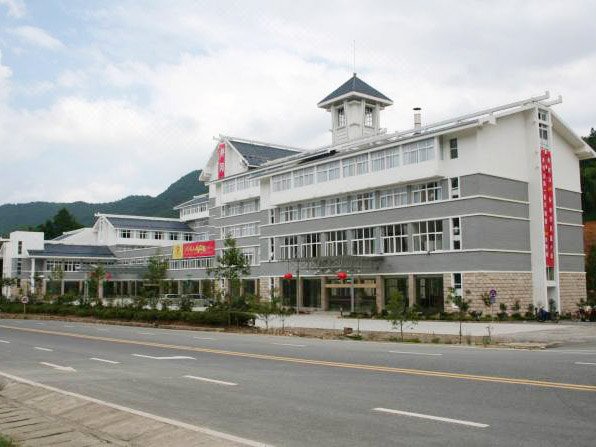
pixel 58 367
pixel 146 333
pixel 412 353
pixel 153 417
pixel 205 379
pixel 40 323
pixel 433 418
pixel 69 325
pixel 585 363
pixel 4 341
pixel 104 360
pixel 173 357
pixel 204 338
pixel 101 329
pixel 43 349
pixel 289 344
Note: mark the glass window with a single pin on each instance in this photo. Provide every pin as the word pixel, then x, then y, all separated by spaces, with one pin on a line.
pixel 363 241
pixel 341 117
pixel 368 116
pixel 311 210
pixel 427 236
pixel 143 234
pixel 188 237
pixel 457 283
pixel 173 236
pixel 336 243
pixel 311 245
pixel 328 171
pixel 393 197
pixel 543 132
pixel 456 233
pixel 288 213
pixel 158 235
pixel 125 234
pixel 289 247
pixel 395 238
pixel 19 247
pixel 339 205
pixel 453 148
pixel 363 202
pixel 419 151
pixel 304 177
pixel 426 192
pixel 386 159
pixel 282 182
pixel 355 165
pixel 229 186
pixel 454 182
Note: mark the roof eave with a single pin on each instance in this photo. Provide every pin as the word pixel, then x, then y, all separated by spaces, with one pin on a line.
pixel 326 103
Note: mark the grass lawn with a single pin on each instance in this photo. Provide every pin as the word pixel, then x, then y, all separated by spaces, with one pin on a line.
pixel 5 442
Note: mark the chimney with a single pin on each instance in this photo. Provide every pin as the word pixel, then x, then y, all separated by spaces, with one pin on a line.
pixel 417 118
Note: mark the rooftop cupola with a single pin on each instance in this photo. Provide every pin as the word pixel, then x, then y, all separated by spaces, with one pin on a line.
pixel 355 110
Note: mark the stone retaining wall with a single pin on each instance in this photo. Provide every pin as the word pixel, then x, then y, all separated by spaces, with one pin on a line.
pixel 572 290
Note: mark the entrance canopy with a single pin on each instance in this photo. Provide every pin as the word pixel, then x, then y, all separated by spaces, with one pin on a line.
pixel 321 265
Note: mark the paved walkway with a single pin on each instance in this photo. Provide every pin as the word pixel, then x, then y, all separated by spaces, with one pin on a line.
pixel 335 322
pixel 36 416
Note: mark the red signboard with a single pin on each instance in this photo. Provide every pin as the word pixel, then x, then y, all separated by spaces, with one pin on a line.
pixel 548 205
pixel 193 250
pixel 221 160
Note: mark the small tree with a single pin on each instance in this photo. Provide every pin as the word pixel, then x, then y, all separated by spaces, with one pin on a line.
pixel 98 275
pixel 56 278
pixel 265 310
pixel 231 265
pixel 399 313
pixel 155 275
pixel 463 306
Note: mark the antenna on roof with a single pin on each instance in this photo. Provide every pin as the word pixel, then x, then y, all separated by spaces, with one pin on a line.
pixel 354 71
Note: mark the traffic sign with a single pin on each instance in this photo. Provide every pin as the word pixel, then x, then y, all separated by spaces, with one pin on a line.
pixel 493 296
pixel 24 299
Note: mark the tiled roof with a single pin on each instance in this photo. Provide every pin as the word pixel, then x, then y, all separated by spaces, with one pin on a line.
pixel 257 154
pixel 148 224
pixel 74 251
pixel 356 85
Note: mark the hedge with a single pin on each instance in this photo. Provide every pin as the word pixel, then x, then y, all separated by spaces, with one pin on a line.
pixel 212 318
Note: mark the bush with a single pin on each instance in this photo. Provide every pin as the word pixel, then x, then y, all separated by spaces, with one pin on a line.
pixel 212 318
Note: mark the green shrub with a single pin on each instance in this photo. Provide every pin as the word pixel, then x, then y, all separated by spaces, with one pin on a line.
pixel 212 318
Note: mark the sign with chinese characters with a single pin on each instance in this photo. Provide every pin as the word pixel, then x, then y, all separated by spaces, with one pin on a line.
pixel 193 250
pixel 221 160
pixel 548 206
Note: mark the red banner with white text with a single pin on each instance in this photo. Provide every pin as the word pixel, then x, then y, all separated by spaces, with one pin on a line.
pixel 548 205
pixel 221 160
pixel 193 250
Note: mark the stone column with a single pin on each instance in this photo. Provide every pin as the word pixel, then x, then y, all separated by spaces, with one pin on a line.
pixel 100 290
pixel 44 286
pixel 62 287
pixel 179 287
pixel 380 293
pixel 324 295
pixel 411 290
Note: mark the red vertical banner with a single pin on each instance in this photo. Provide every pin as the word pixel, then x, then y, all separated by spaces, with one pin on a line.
pixel 548 205
pixel 221 160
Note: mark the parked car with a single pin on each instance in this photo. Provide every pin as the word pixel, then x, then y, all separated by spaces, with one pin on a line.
pixel 198 300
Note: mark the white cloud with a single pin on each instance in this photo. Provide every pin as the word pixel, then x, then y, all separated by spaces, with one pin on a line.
pixel 16 8
pixel 153 84
pixel 38 37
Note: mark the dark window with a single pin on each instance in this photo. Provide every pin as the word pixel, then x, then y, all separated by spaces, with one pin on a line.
pixel 453 148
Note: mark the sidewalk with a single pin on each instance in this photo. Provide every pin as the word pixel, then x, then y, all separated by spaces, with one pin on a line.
pixel 505 331
pixel 36 415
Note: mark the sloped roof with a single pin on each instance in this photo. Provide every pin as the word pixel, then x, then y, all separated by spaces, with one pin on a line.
pixel 194 201
pixel 256 154
pixel 357 86
pixel 148 224
pixel 73 251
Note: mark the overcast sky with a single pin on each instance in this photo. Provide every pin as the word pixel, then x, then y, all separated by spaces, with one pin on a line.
pixel 99 100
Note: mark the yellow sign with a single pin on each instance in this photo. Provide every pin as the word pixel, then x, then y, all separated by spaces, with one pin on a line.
pixel 177 251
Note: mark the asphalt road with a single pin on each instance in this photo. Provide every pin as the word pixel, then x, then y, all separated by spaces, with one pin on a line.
pixel 289 391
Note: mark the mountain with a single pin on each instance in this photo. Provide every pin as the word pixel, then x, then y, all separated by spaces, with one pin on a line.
pixel 22 215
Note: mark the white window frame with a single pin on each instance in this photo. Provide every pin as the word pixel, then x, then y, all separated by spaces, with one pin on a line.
pixel 328 171
pixel 456 233
pixel 125 234
pixel 363 241
pixel 453 149
pixel 281 182
pixel 368 116
pixel 289 247
pixel 304 177
pixel 362 202
pixel 311 245
pixel 427 192
pixel 336 243
pixel 454 190
pixel 394 197
pixel 394 238
pixel 427 236
pixel 418 151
